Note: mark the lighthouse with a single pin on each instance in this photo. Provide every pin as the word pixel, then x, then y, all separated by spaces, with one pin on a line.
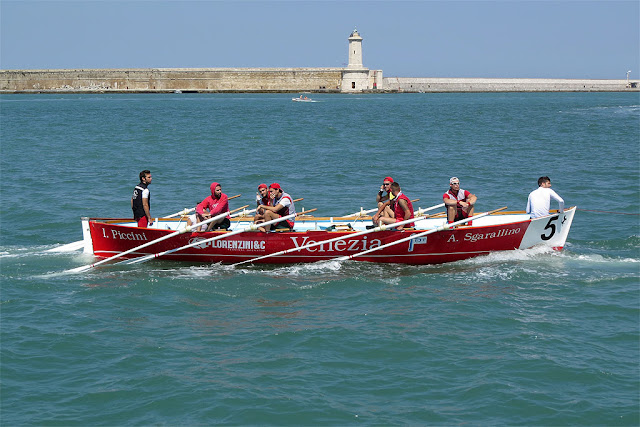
pixel 355 77
pixel 355 50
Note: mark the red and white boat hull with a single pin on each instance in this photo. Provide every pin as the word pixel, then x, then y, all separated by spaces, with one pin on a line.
pixel 106 238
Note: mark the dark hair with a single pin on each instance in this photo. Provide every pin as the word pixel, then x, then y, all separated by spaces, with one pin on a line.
pixel 543 179
pixel 395 185
pixel 144 173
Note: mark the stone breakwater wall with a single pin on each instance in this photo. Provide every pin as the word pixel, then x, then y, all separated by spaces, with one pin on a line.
pixel 400 84
pixel 170 80
pixel 204 80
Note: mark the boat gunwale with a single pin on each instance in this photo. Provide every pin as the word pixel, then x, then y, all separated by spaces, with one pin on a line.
pixel 311 217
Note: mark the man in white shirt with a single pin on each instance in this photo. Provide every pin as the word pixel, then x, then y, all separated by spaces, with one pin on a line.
pixel 540 199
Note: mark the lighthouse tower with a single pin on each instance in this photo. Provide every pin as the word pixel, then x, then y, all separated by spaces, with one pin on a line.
pixel 355 50
pixel 355 77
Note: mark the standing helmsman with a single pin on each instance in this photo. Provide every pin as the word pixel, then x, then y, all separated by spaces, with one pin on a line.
pixel 540 200
pixel 141 200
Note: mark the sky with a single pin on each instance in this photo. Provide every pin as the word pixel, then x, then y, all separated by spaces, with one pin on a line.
pixel 492 39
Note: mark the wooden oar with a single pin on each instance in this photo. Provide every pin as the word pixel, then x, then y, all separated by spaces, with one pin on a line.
pixel 335 239
pixel 363 212
pixel 160 239
pixel 74 246
pixel 415 236
pixel 252 227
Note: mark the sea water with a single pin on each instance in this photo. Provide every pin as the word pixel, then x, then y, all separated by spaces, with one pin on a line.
pixel 531 337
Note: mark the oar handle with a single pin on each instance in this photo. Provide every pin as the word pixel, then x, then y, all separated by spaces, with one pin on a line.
pixel 306 212
pixel 238 209
pixel 183 212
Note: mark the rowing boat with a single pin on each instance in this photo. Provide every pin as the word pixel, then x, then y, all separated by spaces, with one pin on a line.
pixel 434 242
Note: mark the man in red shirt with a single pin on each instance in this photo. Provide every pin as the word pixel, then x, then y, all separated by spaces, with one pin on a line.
pixel 216 203
pixel 459 202
pixel 281 204
pixel 400 205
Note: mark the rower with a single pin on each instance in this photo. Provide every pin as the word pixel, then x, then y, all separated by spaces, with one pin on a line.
pixel 281 205
pixel 401 206
pixel 216 203
pixel 262 198
pixel 459 202
pixel 381 197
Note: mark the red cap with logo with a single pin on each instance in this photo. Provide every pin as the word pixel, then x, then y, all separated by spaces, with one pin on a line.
pixel 275 185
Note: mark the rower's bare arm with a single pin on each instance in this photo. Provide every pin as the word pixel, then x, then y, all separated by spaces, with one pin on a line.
pixel 275 208
pixel 381 198
pixel 380 209
pixel 405 208
pixel 145 206
pixel 450 202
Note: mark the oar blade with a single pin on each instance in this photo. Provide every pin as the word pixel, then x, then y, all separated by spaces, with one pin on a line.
pixel 69 247
pixel 77 269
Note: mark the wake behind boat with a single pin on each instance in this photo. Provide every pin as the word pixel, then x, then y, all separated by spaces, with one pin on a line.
pixel 324 238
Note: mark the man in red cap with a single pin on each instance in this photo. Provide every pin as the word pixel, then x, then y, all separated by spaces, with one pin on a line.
pixel 262 198
pixel 281 205
pixel 401 206
pixel 216 203
pixel 382 198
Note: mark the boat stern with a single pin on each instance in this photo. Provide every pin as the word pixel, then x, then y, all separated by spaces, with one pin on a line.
pixel 551 230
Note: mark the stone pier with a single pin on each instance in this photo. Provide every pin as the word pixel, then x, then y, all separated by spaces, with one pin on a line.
pixel 332 80
pixel 401 84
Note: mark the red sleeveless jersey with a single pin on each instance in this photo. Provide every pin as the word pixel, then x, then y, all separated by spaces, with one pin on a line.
pixel 399 212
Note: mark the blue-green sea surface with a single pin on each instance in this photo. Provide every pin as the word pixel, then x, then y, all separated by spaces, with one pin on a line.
pixel 531 337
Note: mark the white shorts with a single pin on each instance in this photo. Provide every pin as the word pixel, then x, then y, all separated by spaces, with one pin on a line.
pixel 194 220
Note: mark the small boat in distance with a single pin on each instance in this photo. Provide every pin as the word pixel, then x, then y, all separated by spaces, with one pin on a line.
pixel 303 99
